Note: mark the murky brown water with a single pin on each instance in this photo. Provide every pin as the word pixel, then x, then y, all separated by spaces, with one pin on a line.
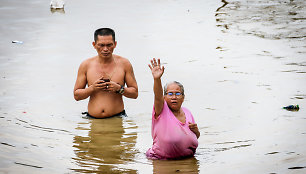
pixel 240 62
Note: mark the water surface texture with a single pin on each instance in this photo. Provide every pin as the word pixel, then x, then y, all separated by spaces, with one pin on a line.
pixel 240 61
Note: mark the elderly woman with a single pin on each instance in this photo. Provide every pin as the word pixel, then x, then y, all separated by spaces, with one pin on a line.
pixel 174 132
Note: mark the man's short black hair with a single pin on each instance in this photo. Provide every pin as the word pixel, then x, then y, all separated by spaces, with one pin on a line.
pixel 104 32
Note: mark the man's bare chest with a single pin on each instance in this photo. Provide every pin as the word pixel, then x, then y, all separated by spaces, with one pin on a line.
pixel 114 74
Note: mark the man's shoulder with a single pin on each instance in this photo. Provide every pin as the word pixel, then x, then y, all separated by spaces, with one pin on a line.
pixel 88 61
pixel 122 60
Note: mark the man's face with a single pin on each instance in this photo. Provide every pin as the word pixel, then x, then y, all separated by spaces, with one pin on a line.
pixel 105 46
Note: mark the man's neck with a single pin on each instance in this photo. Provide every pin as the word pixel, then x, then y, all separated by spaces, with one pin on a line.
pixel 106 60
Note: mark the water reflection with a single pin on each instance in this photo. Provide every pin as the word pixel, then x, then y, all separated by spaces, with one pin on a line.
pixel 106 147
pixel 189 165
pixel 57 10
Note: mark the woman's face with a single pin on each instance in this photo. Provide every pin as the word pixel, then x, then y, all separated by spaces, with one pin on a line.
pixel 175 100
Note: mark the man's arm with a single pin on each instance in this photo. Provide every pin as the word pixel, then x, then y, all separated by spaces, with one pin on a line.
pixel 80 91
pixel 131 91
pixel 157 72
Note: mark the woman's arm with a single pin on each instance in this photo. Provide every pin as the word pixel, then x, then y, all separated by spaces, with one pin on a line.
pixel 157 72
pixel 194 128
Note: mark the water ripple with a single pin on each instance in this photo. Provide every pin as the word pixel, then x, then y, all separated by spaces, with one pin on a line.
pixel 265 19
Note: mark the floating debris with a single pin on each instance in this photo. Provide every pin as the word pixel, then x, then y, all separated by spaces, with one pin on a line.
pixel 292 107
pixel 28 165
pixel 271 153
pixel 17 42
pixel 297 167
pixel 57 4
pixel 7 144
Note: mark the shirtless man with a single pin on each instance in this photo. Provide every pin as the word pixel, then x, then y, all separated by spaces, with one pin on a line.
pixel 106 75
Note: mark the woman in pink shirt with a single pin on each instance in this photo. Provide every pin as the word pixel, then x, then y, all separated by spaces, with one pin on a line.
pixel 174 131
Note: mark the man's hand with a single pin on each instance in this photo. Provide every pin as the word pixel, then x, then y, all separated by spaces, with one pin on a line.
pixel 157 70
pixel 194 129
pixel 106 85
pixel 112 86
pixel 99 84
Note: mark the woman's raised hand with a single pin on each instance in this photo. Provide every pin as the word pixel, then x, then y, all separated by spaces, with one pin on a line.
pixel 157 70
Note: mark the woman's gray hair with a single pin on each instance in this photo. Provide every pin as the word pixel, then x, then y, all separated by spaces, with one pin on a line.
pixel 175 82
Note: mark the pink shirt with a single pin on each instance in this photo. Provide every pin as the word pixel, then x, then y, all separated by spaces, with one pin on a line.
pixel 172 139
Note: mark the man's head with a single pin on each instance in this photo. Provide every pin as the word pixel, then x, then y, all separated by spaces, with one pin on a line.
pixel 104 42
pixel 104 32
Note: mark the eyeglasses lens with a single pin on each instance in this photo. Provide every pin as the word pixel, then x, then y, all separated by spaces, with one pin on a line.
pixel 176 94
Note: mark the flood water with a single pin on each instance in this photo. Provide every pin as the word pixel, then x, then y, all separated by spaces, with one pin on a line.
pixel 240 61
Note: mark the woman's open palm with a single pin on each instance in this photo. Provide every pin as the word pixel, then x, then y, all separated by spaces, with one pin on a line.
pixel 157 70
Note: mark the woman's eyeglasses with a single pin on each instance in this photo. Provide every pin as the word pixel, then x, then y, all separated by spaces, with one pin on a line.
pixel 177 94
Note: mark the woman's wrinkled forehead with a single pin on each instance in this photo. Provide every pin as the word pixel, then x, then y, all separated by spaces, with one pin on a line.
pixel 174 85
